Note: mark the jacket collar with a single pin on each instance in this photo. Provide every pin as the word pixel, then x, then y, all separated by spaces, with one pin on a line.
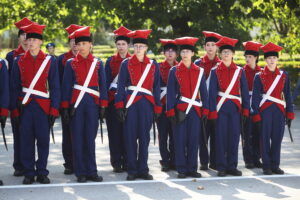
pixel 182 67
pixel 268 72
pixel 206 59
pixel 222 66
pixel 79 58
pixel 256 69
pixel 134 60
pixel 40 56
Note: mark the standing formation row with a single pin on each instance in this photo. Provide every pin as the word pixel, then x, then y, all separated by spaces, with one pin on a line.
pixel 191 103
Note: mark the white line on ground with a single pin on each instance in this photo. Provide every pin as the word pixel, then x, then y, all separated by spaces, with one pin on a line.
pixel 147 181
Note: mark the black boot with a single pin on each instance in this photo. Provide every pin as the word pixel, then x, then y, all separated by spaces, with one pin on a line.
pixel 81 179
pixel 68 171
pixel 95 178
pixel 18 172
pixel 43 179
pixel 1 182
pixel 181 175
pixel 278 171
pixel 146 176
pixel 234 172
pixel 267 171
pixel 118 170
pixel 222 173
pixel 28 180
pixel 194 174
pixel 131 177
pixel 249 165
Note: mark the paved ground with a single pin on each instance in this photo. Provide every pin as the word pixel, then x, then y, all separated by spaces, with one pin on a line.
pixel 252 185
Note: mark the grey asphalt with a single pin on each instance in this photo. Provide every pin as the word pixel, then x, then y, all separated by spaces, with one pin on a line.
pixel 252 185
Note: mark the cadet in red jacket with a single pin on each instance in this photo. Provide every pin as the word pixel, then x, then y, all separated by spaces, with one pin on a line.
pixel 10 58
pixel 84 94
pixel 114 126
pixel 251 150
pixel 208 62
pixel 164 126
pixel 229 107
pixel 187 108
pixel 137 105
pixel 272 108
pixel 66 132
pixel 4 95
pixel 35 100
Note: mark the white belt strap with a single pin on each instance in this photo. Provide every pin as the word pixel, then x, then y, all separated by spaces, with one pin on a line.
pixel 138 88
pixel 250 93
pixel 36 92
pixel 195 91
pixel 190 101
pixel 229 96
pixel 144 90
pixel 163 92
pixel 229 88
pixel 30 90
pixel 86 89
pixel 114 83
pixel 276 100
pixel 271 89
pixel 86 82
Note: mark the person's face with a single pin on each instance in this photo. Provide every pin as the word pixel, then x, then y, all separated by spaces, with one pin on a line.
pixel 51 50
pixel 170 54
pixel 34 44
pixel 250 60
pixel 122 46
pixel 186 55
pixel 22 40
pixel 210 48
pixel 227 55
pixel 84 47
pixel 271 61
pixel 73 45
pixel 140 49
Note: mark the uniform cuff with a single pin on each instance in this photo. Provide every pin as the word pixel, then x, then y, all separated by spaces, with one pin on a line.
pixel 4 112
pixel 157 109
pixel 15 113
pixel 64 104
pixel 205 111
pixel 290 115
pixel 119 105
pixel 170 113
pixel 54 112
pixel 246 112
pixel 213 115
pixel 104 103
pixel 256 118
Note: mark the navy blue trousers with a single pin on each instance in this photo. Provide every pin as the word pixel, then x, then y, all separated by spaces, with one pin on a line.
pixel 137 136
pixel 251 149
pixel 186 138
pixel 67 144
pixel 271 136
pixel 17 164
pixel 203 153
pixel 84 127
pixel 227 136
pixel 34 130
pixel 115 138
pixel 166 141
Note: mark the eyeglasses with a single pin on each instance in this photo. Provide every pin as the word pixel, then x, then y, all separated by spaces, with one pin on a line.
pixel 224 52
pixel 139 46
pixel 185 51
pixel 170 51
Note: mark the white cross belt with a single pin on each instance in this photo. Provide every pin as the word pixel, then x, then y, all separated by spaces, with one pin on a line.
pixel 113 85
pixel 36 92
pixel 140 89
pixel 190 101
pixel 86 89
pixel 163 93
pixel 229 96
pixel 276 100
